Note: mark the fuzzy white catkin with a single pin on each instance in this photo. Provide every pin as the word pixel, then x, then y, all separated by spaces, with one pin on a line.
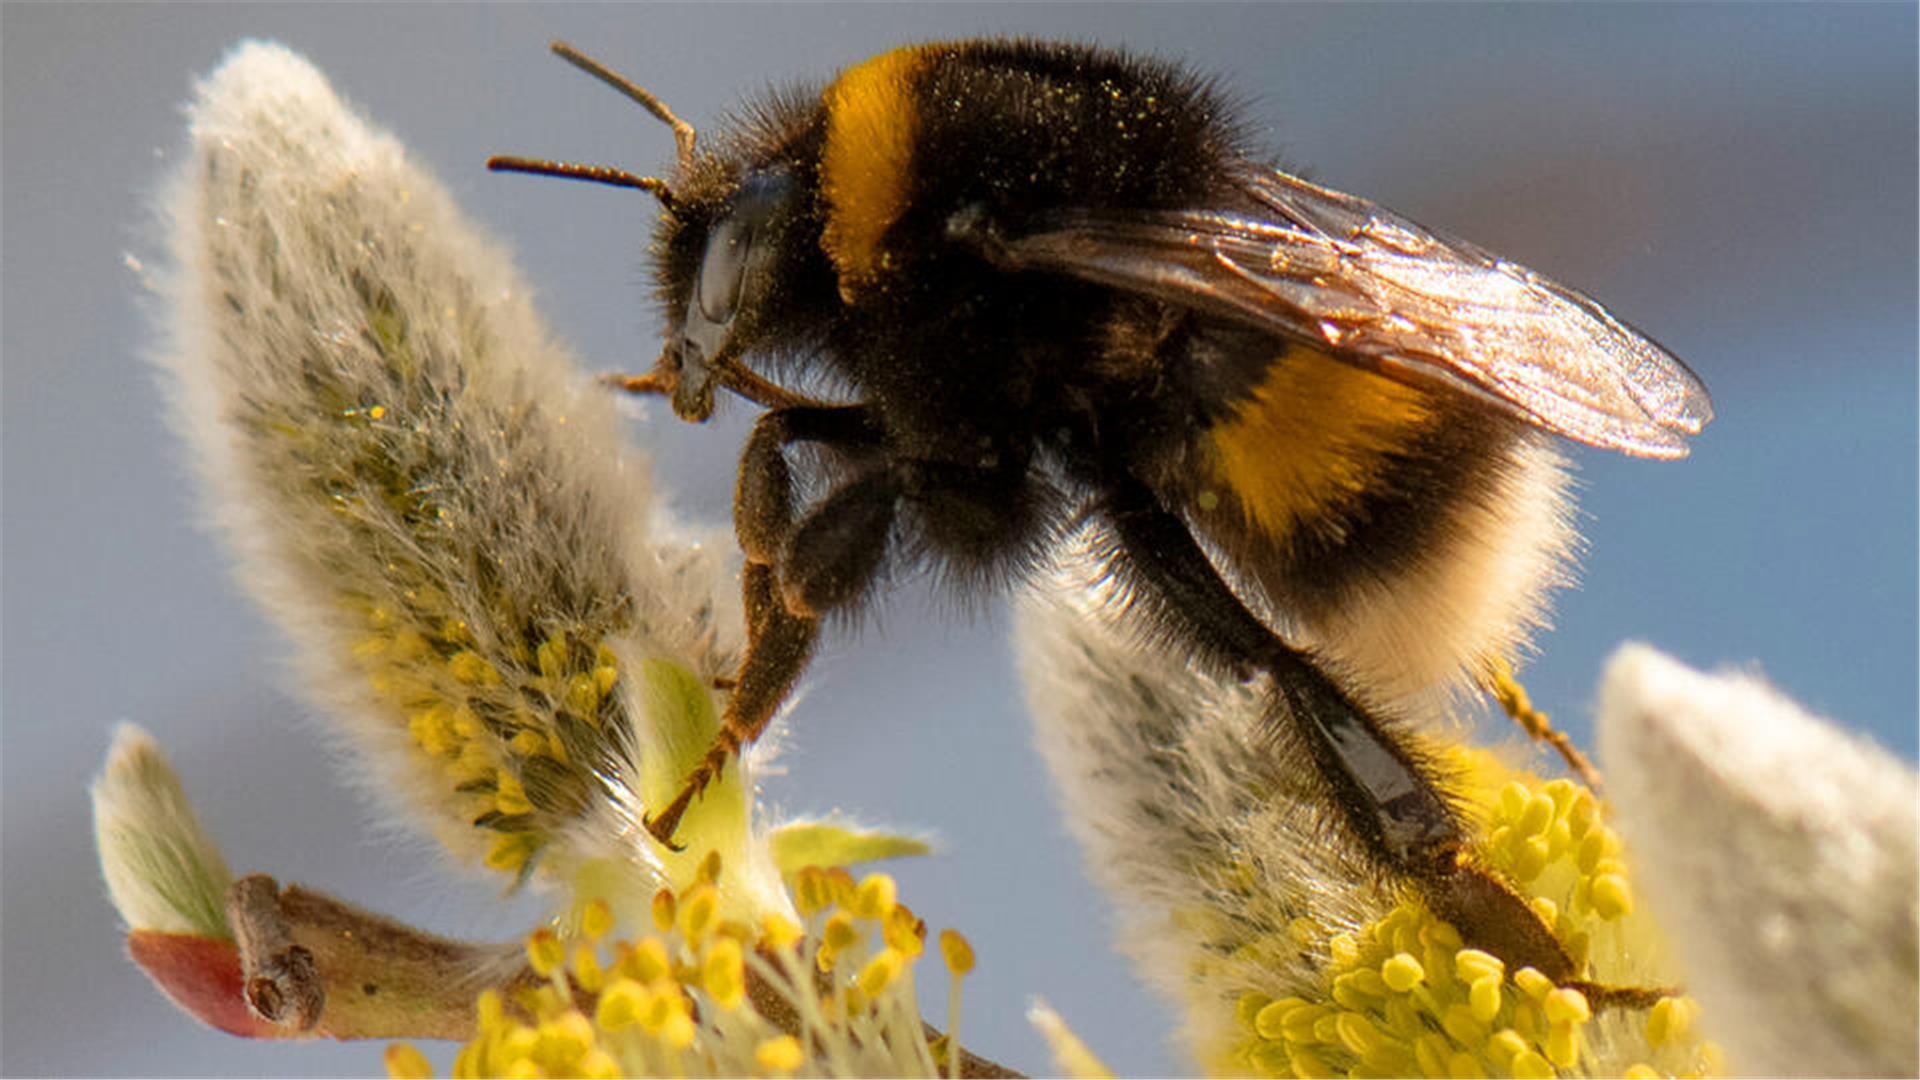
pixel 386 431
pixel 163 871
pixel 1240 899
pixel 1176 789
pixel 1781 853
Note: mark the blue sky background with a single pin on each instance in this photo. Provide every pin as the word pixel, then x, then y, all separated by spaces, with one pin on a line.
pixel 1737 180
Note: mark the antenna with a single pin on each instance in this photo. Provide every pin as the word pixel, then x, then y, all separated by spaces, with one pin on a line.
pixel 683 137
pixel 683 134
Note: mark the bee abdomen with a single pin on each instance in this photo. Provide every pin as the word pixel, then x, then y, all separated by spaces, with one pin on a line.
pixel 1410 536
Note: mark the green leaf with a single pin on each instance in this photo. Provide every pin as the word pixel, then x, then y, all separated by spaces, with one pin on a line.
pixel 800 844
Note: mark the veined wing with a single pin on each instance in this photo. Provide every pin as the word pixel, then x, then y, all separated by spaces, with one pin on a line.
pixel 1376 289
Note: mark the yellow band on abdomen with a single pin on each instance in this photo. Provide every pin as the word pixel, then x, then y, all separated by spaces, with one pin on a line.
pixel 1313 435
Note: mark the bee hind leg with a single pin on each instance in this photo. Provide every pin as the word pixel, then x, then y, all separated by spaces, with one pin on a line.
pixel 1388 798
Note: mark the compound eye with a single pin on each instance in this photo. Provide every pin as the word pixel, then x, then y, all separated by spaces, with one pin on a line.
pixel 732 264
pixel 723 269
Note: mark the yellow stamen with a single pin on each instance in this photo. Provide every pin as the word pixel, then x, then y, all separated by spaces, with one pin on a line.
pixel 880 972
pixel 620 1005
pixel 778 931
pixel 406 1063
pixel 781 1055
pixel 723 973
pixel 876 897
pixel 1402 972
pixel 545 952
pixel 957 951
pixel 596 919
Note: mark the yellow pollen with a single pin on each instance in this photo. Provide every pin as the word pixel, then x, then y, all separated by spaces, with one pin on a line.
pixel 699 913
pixel 840 933
pixel 510 851
pixel 406 1063
pixel 545 952
pixel 1307 1063
pixel 1567 1006
pixel 1302 1024
pixel 782 1054
pixel 583 696
pixel 678 1032
pixel 1533 984
pixel 509 797
pixel 1537 816
pixel 1462 1026
pixel 903 930
pixel 490 1009
pixel 646 962
pixel 723 973
pixel 1562 1044
pixel 810 891
pixel 1505 1045
pixel 596 919
pixel 1357 1033
pixel 1528 1065
pixel 957 951
pixel 875 898
pixel 1246 1008
pixel 1471 965
pixel 1548 911
pixel 587 970
pixel 854 1000
pixel 473 669
pixel 1612 896
pixel 551 657
pixel 1531 857
pixel 880 972
pixel 564 1039
pixel 1483 997
pixel 778 931
pixel 1402 972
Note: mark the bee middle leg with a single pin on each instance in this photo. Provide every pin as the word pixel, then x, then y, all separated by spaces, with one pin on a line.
pixel 792 573
pixel 1387 795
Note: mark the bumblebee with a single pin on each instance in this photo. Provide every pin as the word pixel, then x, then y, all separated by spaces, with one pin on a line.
pixel 1055 288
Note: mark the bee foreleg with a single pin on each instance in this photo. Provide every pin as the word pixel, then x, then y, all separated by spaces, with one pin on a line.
pixel 778 645
pixel 835 553
pixel 779 638
pixel 763 496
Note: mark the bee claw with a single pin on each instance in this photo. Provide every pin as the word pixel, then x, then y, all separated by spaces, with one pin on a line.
pixel 662 828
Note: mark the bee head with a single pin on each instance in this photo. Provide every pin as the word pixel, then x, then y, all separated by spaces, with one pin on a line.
pixel 719 263
pixel 717 250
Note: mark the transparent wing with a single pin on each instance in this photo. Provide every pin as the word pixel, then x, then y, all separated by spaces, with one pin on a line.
pixel 1376 289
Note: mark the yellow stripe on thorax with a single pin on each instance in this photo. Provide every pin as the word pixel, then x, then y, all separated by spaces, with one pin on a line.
pixel 864 169
pixel 1311 438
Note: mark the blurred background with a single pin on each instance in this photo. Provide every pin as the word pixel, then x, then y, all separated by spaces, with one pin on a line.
pixel 1737 180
